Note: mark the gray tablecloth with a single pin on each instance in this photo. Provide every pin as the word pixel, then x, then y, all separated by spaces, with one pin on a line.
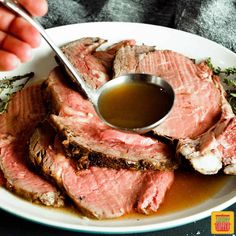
pixel 213 19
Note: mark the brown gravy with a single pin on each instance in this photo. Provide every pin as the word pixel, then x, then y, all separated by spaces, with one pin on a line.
pixel 188 190
pixel 131 105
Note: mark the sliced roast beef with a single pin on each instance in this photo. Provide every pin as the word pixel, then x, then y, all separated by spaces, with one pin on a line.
pixel 80 55
pixel 198 99
pixel 106 57
pixel 98 192
pixel 94 66
pixel 22 180
pixel 128 57
pixel 216 147
pixel 86 138
pixel 25 110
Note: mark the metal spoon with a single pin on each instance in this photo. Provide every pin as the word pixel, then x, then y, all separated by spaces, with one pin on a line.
pixel 95 95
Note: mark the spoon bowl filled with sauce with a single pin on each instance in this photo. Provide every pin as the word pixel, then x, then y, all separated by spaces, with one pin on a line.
pixel 135 102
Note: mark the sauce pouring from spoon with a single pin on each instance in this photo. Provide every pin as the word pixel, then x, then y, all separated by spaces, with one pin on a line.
pixel 132 102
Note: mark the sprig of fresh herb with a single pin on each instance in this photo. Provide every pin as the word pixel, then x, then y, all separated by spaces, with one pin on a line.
pixel 231 93
pixel 230 82
pixel 231 97
pixel 232 101
pixel 228 79
pixel 8 86
pixel 217 70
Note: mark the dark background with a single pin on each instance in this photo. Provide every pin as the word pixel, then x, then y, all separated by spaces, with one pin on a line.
pixel 13 226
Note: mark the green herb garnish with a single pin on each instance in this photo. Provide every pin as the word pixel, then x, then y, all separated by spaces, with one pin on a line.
pixel 230 82
pixel 217 70
pixel 9 86
pixel 228 79
pixel 231 97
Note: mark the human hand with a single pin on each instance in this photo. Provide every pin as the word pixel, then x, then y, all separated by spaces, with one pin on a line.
pixel 17 37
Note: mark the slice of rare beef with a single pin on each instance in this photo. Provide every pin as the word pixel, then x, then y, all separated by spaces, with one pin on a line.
pixel 79 53
pixel 216 147
pixel 106 57
pixel 86 138
pixel 25 110
pixel 98 192
pixel 197 97
pixel 95 67
pixel 127 58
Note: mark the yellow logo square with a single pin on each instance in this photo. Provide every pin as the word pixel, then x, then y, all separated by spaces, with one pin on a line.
pixel 222 222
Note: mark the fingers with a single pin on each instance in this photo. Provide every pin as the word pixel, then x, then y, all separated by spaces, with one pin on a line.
pixel 6 18
pixel 29 34
pixel 35 7
pixel 8 61
pixel 13 45
pixel 17 37
pixel 19 28
pixel 19 43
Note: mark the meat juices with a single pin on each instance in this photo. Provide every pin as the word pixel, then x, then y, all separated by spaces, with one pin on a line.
pixel 132 104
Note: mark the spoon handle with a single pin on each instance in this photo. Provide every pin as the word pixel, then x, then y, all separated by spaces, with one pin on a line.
pixel 14 6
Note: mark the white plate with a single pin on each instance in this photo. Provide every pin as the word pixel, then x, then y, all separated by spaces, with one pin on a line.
pixel 164 38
